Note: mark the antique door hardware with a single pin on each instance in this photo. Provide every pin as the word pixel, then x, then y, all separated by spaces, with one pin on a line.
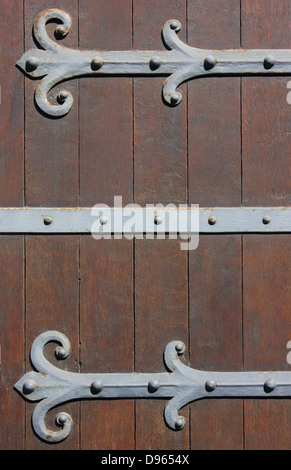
pixel 150 220
pixel 51 386
pixel 181 62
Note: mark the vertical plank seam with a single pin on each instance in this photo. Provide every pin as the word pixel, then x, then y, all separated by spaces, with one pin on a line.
pixel 188 203
pixel 25 327
pixel 242 237
pixel 24 237
pixel 79 238
pixel 133 242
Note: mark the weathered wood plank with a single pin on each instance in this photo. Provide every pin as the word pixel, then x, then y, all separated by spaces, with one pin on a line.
pixel 214 132
pixel 11 341
pixel 160 176
pixel 52 303
pixel 51 145
pixel 11 248
pixel 106 166
pixel 266 169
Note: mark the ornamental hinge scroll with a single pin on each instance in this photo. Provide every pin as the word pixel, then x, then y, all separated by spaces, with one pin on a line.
pixel 55 63
pixel 51 386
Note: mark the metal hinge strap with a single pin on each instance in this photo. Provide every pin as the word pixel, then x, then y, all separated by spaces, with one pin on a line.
pixel 52 386
pixel 56 63
pixel 153 219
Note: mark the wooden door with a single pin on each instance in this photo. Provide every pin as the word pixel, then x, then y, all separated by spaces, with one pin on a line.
pixel 121 301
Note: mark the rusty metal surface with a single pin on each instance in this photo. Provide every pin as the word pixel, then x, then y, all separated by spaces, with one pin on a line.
pixel 55 63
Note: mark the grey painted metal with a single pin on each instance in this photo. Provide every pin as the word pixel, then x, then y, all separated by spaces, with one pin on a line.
pixel 149 220
pixel 51 386
pixel 55 63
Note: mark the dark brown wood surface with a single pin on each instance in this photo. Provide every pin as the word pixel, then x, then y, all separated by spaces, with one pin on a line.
pixel 266 149
pixel 12 324
pixel 121 301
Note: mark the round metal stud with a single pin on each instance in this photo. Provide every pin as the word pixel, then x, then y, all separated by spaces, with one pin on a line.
pixel 210 385
pixel 96 387
pixel 62 96
pixel 103 220
pixel 47 220
pixel 180 422
pixel 31 64
pixel 155 62
pixel 269 62
pixel 175 98
pixel 266 220
pixel 210 62
pixel 212 220
pixel 180 347
pixel 174 25
pixel 158 219
pixel 269 386
pixel 61 30
pixel 97 63
pixel 153 385
pixel 28 387
pixel 61 419
pixel 60 353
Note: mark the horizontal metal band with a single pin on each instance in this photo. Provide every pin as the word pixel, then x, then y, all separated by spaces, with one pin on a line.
pixel 153 220
pixel 53 63
pixel 51 386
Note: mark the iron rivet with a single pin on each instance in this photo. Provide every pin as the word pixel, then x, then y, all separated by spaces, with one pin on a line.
pixel 155 62
pixel 210 62
pixel 212 220
pixel 47 220
pixel 266 220
pixel 269 386
pixel 103 220
pixel 28 387
pixel 269 62
pixel 63 95
pixel 153 385
pixel 210 385
pixel 158 220
pixel 175 98
pixel 61 353
pixel 61 419
pixel 61 30
pixel 31 64
pixel 180 347
pixel 97 63
pixel 180 422
pixel 174 25
pixel 96 387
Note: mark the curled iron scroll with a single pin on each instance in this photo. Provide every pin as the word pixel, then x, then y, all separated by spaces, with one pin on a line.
pixel 54 63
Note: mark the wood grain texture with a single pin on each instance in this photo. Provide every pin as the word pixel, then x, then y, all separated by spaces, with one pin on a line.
pixel 160 176
pixel 267 331
pixel 214 110
pixel 266 113
pixel 11 341
pixel 106 170
pixel 214 132
pixel 105 108
pixel 107 337
pixel 160 132
pixel 161 316
pixel 216 337
pixel 52 303
pixel 266 181
pixel 11 102
pixel 12 407
pixel 51 145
